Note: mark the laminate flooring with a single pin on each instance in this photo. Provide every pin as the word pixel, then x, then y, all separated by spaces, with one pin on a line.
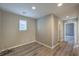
pixel 35 49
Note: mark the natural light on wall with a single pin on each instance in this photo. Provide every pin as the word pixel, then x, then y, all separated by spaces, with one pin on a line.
pixel 22 25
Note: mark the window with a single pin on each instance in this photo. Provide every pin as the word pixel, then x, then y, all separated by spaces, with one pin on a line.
pixel 22 25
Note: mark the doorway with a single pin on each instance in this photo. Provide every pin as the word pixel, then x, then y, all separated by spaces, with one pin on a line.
pixel 70 30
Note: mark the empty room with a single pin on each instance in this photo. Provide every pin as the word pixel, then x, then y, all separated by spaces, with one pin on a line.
pixel 39 29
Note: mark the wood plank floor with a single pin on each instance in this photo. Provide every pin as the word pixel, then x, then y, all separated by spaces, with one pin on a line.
pixel 35 49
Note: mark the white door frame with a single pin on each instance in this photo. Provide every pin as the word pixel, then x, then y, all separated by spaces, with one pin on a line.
pixel 75 28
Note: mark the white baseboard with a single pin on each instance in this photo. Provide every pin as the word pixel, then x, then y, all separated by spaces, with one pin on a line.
pixel 17 46
pixel 47 45
pixel 29 43
pixel 43 44
pixel 55 45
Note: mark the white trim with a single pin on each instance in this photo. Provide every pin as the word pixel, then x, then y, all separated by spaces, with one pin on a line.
pixel 47 45
pixel 30 43
pixel 17 46
pixel 55 45
pixel 43 44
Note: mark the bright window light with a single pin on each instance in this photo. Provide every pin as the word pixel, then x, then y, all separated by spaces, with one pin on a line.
pixel 22 25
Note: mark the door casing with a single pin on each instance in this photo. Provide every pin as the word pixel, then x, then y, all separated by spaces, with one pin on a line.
pixel 74 21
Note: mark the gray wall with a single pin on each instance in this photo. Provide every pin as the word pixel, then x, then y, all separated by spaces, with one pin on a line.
pixel 1 30
pixel 11 36
pixel 47 30
pixel 44 30
pixel 55 40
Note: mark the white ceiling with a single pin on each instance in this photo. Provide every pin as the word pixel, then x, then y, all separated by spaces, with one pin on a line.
pixel 42 9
